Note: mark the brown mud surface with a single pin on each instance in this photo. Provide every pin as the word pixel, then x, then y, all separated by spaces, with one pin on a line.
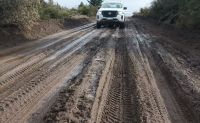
pixel 85 75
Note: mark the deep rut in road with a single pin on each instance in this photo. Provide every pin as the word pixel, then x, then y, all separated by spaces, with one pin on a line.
pixel 168 77
pixel 120 103
pixel 75 101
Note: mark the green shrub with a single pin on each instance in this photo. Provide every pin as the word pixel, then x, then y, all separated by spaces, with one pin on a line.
pixel 93 10
pixel 21 13
pixel 189 14
pixel 83 9
pixel 143 12
pixel 53 11
pixel 183 13
pixel 88 10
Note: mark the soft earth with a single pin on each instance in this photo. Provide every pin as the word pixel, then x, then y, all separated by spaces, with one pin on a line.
pixel 145 73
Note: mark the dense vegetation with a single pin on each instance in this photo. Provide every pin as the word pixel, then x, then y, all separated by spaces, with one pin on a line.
pixel 91 9
pixel 95 2
pixel 182 13
pixel 88 10
pixel 23 13
pixel 19 12
pixel 54 11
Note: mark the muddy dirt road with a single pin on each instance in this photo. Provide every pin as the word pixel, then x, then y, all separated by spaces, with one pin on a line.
pixel 85 75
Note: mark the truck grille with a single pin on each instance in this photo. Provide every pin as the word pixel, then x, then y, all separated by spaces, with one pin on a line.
pixel 109 13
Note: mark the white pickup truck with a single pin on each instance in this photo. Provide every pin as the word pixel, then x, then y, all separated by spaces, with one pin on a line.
pixel 111 14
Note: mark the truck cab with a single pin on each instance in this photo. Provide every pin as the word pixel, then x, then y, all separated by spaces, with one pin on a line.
pixel 111 14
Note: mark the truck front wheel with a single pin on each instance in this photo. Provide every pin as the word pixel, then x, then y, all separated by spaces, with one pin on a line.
pixel 98 25
pixel 122 25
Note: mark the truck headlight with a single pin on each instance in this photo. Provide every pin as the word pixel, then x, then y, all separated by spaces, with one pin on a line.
pixel 99 12
pixel 120 13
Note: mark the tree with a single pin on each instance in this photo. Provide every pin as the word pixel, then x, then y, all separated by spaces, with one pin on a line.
pixel 83 9
pixel 81 5
pixel 50 2
pixel 42 4
pixel 95 2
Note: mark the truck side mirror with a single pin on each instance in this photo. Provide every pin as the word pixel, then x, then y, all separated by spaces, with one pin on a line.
pixel 98 7
pixel 125 8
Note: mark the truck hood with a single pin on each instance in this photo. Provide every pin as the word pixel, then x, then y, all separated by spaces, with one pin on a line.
pixel 111 9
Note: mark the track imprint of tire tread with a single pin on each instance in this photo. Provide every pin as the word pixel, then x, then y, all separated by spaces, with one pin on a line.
pixel 120 104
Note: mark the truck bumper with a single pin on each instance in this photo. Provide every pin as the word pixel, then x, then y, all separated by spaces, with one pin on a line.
pixel 118 19
pixel 109 21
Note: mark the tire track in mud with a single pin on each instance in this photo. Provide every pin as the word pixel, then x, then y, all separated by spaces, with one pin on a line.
pixel 41 81
pixel 182 85
pixel 75 101
pixel 100 76
pixel 175 112
pixel 152 106
pixel 37 61
pixel 43 51
pixel 118 100
pixel 40 44
pixel 178 110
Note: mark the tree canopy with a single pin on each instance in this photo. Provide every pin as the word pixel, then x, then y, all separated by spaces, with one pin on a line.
pixel 95 2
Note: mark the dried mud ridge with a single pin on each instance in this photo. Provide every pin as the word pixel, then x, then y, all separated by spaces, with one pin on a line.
pixel 86 75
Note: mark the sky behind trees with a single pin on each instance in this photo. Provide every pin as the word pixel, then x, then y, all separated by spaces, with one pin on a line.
pixel 133 5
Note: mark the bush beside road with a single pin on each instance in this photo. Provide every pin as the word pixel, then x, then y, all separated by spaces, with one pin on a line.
pixel 181 13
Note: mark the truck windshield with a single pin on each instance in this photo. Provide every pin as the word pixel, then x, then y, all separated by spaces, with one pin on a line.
pixel 112 5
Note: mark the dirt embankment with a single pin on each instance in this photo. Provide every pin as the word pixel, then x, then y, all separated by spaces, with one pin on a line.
pixel 12 36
